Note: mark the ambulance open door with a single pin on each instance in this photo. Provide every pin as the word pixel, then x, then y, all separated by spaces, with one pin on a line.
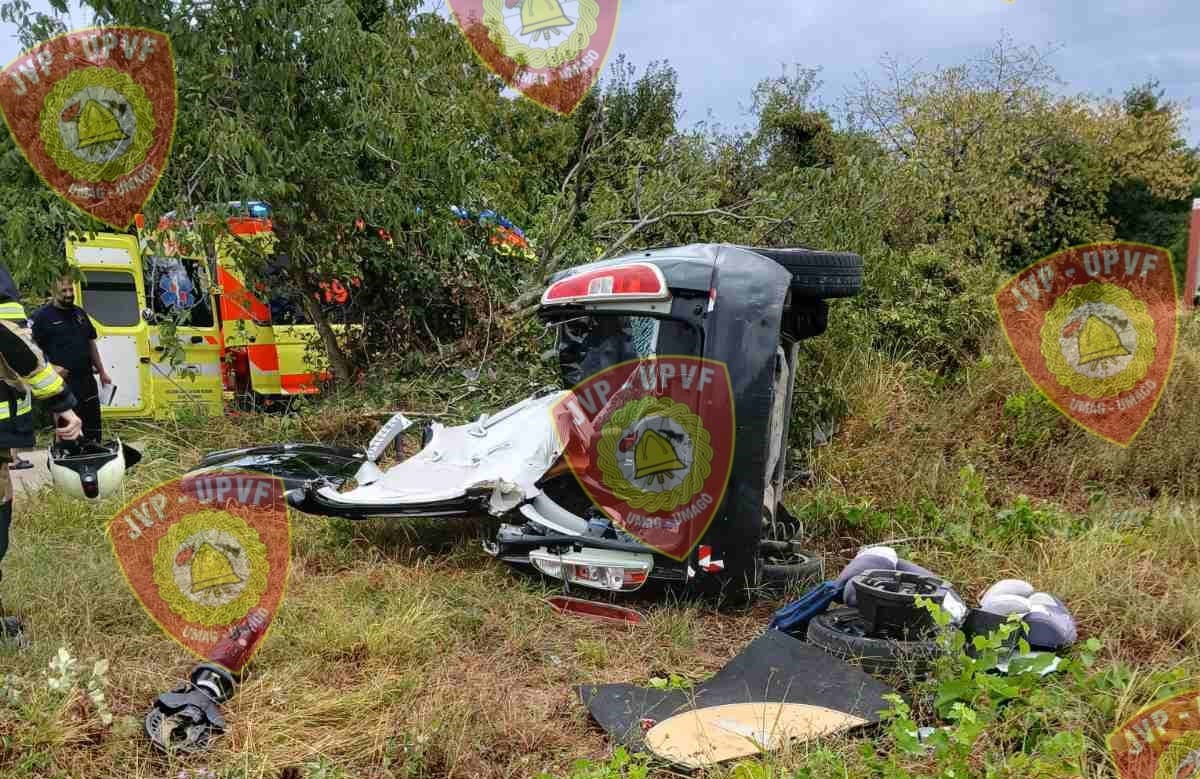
pixel 111 291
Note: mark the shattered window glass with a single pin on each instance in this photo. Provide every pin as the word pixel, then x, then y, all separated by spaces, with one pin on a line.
pixel 588 345
pixel 645 335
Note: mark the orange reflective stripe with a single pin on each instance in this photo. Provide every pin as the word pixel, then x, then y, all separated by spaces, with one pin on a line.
pixel 299 383
pixel 248 225
pixel 237 302
pixel 263 356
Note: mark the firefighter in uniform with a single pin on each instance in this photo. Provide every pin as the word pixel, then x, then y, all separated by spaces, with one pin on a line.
pixel 22 368
pixel 12 310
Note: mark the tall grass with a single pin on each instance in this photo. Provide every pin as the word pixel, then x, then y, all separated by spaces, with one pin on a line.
pixel 403 651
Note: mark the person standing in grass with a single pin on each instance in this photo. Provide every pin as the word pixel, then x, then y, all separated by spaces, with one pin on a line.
pixel 65 333
pixel 23 371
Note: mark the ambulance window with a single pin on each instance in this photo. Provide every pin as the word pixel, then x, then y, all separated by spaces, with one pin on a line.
pixel 179 285
pixel 111 297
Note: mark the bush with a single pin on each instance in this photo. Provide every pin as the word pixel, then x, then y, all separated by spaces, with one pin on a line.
pixel 926 306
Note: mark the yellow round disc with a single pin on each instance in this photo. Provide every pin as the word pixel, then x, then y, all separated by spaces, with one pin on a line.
pixel 710 735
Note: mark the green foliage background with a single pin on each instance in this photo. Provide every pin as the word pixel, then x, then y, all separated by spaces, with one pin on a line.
pixel 945 179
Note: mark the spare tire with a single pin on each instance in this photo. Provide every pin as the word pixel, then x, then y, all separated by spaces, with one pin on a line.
pixel 818 274
pixel 843 633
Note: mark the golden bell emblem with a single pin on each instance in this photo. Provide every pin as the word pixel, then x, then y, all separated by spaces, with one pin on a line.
pixel 542 16
pixel 654 456
pixel 98 125
pixel 1098 341
pixel 211 569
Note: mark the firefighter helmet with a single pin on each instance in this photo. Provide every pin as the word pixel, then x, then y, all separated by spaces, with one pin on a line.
pixel 90 470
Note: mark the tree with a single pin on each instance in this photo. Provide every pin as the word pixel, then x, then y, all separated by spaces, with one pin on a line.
pixel 332 112
pixel 791 132
pixel 1149 200
pixel 1016 170
pixel 33 224
pixel 631 179
pixel 33 220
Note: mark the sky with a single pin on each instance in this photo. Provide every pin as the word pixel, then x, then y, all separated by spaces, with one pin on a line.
pixel 720 50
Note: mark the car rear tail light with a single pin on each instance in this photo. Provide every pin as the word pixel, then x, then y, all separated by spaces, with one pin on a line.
pixel 602 569
pixel 635 281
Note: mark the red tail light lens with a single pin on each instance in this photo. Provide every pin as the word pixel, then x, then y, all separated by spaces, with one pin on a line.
pixel 636 281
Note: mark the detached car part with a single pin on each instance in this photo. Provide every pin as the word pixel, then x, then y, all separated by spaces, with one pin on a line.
pixel 187 718
pixel 845 634
pixel 606 613
pixel 772 668
pixel 887 601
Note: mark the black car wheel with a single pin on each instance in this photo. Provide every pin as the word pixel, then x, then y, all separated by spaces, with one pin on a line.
pixel 843 633
pixel 817 274
pixel 786 567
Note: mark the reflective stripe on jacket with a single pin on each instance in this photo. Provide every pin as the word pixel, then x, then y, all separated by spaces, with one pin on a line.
pixel 23 367
pixel 12 311
pixel 24 406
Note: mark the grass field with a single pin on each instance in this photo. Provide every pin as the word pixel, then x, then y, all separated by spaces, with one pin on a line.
pixel 402 650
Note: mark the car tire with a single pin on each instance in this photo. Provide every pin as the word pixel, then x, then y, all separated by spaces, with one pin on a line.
pixel 842 633
pixel 818 274
pixel 785 566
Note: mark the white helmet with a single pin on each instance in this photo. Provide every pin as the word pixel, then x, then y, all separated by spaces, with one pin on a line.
pixel 90 470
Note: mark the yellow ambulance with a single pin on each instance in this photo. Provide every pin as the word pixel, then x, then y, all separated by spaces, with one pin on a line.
pixel 133 286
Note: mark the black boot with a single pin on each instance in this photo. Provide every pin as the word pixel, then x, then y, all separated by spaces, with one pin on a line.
pixel 11 630
pixel 10 627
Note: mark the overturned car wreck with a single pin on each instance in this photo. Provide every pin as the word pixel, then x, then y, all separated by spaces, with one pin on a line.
pixel 661 458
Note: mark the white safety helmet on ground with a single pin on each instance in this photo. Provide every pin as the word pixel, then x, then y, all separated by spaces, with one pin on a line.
pixel 90 470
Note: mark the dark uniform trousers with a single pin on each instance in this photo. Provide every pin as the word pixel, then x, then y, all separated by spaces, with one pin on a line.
pixel 87 396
